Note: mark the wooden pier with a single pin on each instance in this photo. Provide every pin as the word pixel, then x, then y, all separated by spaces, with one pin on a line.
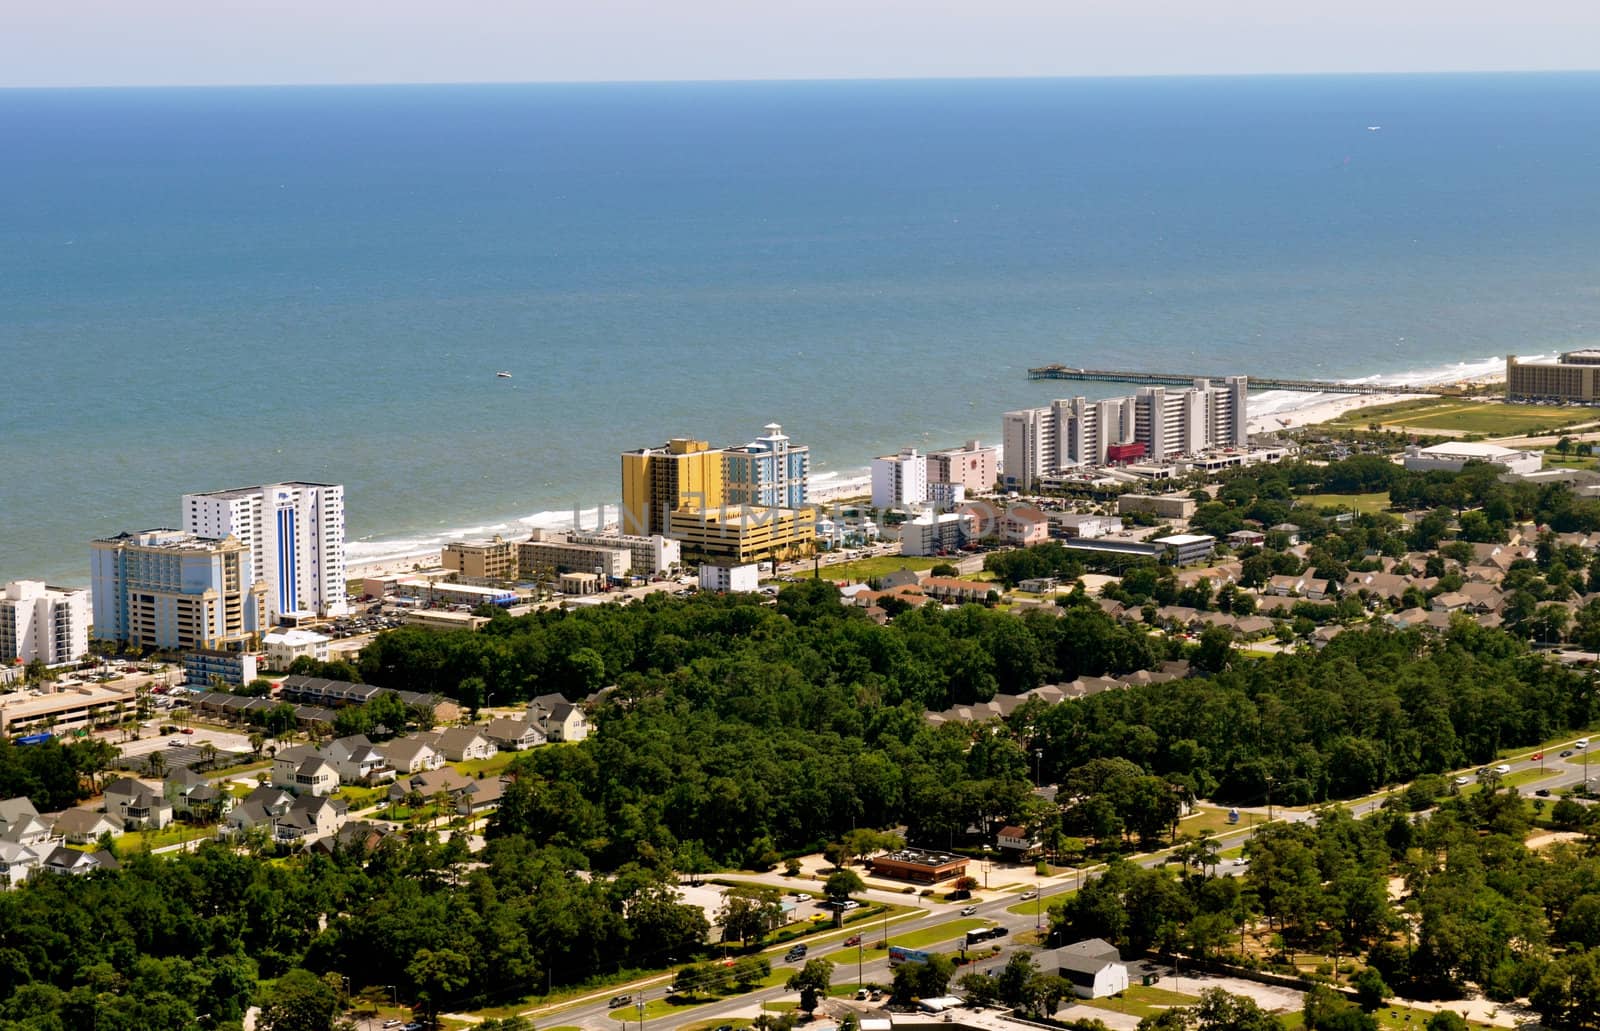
pixel 1173 379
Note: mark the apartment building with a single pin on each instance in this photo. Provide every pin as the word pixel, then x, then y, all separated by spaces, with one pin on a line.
pixel 900 481
pixel 47 624
pixel 972 466
pixel 174 590
pixel 295 535
pixel 682 473
pixel 1574 376
pixel 491 559
pixel 770 472
pixel 552 552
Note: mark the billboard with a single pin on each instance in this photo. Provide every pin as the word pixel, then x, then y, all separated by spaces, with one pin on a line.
pixel 899 954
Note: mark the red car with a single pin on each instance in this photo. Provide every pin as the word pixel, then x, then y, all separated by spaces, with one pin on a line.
pixel 854 939
pixel 1536 756
pixel 188 730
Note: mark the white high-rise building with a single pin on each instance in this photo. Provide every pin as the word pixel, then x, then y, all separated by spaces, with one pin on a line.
pixel 1041 442
pixel 50 624
pixel 295 533
pixel 900 481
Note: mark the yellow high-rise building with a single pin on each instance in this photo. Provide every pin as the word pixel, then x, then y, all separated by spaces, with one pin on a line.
pixel 681 474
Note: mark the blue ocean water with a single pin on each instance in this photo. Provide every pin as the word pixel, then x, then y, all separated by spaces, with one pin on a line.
pixel 202 288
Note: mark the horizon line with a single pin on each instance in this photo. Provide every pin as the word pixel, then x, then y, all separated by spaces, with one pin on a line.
pixel 804 79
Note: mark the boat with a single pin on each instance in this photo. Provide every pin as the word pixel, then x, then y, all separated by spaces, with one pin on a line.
pixel 503 374
pixel 1374 128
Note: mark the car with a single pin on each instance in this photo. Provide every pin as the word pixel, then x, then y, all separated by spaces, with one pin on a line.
pixel 970 910
pixel 1463 780
pixel 724 1027
pixel 1582 742
pixel 188 730
pixel 802 896
pixel 876 995
pixel 1482 770
pixel 1567 754
pixel 392 1022
pixel 176 742
pixel 1029 894
pixel 795 952
pixel 848 904
pixel 999 932
pixel 1502 769
pixel 854 939
pixel 415 1025
pixel 619 1000
pixel 861 993
pixel 1543 792
pixel 1535 757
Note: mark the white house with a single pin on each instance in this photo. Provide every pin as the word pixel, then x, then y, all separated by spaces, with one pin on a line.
pixel 410 755
pixel 310 817
pixel 285 646
pixel 357 761
pixel 460 744
pixel 137 805
pixel 16 863
pixel 1015 843
pixel 1094 967
pixel 560 721
pixel 731 579
pixel 513 735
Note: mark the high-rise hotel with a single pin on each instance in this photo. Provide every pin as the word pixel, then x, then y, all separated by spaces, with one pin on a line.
pixel 176 591
pixel 295 535
pixel 1155 422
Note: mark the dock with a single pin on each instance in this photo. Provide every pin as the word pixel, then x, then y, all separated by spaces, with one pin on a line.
pixel 1174 379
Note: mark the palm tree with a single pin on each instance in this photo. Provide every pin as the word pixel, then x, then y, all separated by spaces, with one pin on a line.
pixel 157 763
pixel 256 741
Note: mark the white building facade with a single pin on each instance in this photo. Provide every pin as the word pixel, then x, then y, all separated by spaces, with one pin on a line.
pixel 732 579
pixel 1453 456
pixel 1041 442
pixel 295 533
pixel 900 481
pixel 50 624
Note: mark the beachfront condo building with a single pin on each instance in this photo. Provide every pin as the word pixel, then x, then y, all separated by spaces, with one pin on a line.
pixel 900 481
pixel 550 551
pixel 1156 422
pixel 651 555
pixel 295 533
pixel 1575 376
pixel 176 591
pixel 42 623
pixel 491 559
pixel 745 533
pixel 770 471
pixel 971 466
pixel 656 481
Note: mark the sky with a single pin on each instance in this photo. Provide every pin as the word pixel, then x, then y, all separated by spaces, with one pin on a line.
pixel 215 42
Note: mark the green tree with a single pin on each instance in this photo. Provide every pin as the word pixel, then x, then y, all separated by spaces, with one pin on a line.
pixel 812 982
pixel 298 1001
pixel 841 884
pixel 438 974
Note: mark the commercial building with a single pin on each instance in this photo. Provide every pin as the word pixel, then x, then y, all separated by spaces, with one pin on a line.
pixel 1179 549
pixel 654 554
pixel 911 864
pixel 742 534
pixel 295 535
pixel 215 665
pixel 900 481
pixel 177 591
pixel 936 533
pixel 435 592
pixel 492 559
pixel 1453 456
pixel 47 624
pixel 1074 524
pixel 730 579
pixel 73 707
pixel 682 473
pixel 552 552
pixel 972 466
pixel 1164 506
pixel 770 471
pixel 1094 967
pixel 1071 432
pixel 579 584
pixel 285 646
pixel 1575 376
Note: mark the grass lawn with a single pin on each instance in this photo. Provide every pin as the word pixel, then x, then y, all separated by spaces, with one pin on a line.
pixel 1495 419
pixel 1365 504
pixel 878 565
pixel 1140 1001
pixel 136 841
pixel 1209 818
pixel 1390 1018
pixel 494 764
pixel 1028 908
pixel 944 932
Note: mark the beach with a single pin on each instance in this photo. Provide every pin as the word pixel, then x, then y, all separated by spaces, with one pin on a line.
pixel 1288 418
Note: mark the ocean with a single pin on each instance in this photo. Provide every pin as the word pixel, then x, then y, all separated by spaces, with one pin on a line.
pixel 204 288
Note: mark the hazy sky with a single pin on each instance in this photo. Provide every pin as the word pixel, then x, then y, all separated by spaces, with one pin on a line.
pixel 150 42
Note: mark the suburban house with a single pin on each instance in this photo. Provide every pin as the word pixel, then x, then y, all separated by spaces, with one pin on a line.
pixel 1024 526
pixel 1304 586
pixel 513 735
pixel 950 589
pixel 1094 967
pixel 357 761
pixel 480 796
pixel 64 860
pixel 81 826
pixel 560 719
pixel 316 776
pixel 16 863
pixel 1247 538
pixel 459 744
pixel 408 755
pixel 311 816
pixel 259 809
pixel 1291 534
pixel 20 823
pixel 1016 844
pixel 430 783
pixel 138 805
pixel 363 835
pixel 286 764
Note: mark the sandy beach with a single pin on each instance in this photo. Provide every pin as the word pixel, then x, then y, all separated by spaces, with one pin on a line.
pixel 1322 411
pixel 393 564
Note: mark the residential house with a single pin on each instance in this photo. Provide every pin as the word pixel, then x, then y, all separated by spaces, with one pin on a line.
pixel 286 764
pixel 409 755
pixel 1247 538
pixel 363 835
pixel 513 735
pixel 480 796
pixel 950 589
pixel 460 744
pixel 81 826
pixel 1290 531
pixel 261 808
pixel 1016 844
pixel 63 860
pixel 20 823
pixel 316 776
pixel 430 783
pixel 1450 601
pixel 310 817
pixel 191 794
pixel 902 578
pixel 16 863
pixel 562 721
pixel 357 761
pixel 139 806
pixel 1094 967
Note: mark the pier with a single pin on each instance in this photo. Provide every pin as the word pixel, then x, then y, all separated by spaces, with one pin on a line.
pixel 1174 379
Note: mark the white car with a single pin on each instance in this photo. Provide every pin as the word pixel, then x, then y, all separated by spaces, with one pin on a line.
pixel 1029 894
pixel 802 896
pixel 1502 769
pixel 969 911
pixel 1582 742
